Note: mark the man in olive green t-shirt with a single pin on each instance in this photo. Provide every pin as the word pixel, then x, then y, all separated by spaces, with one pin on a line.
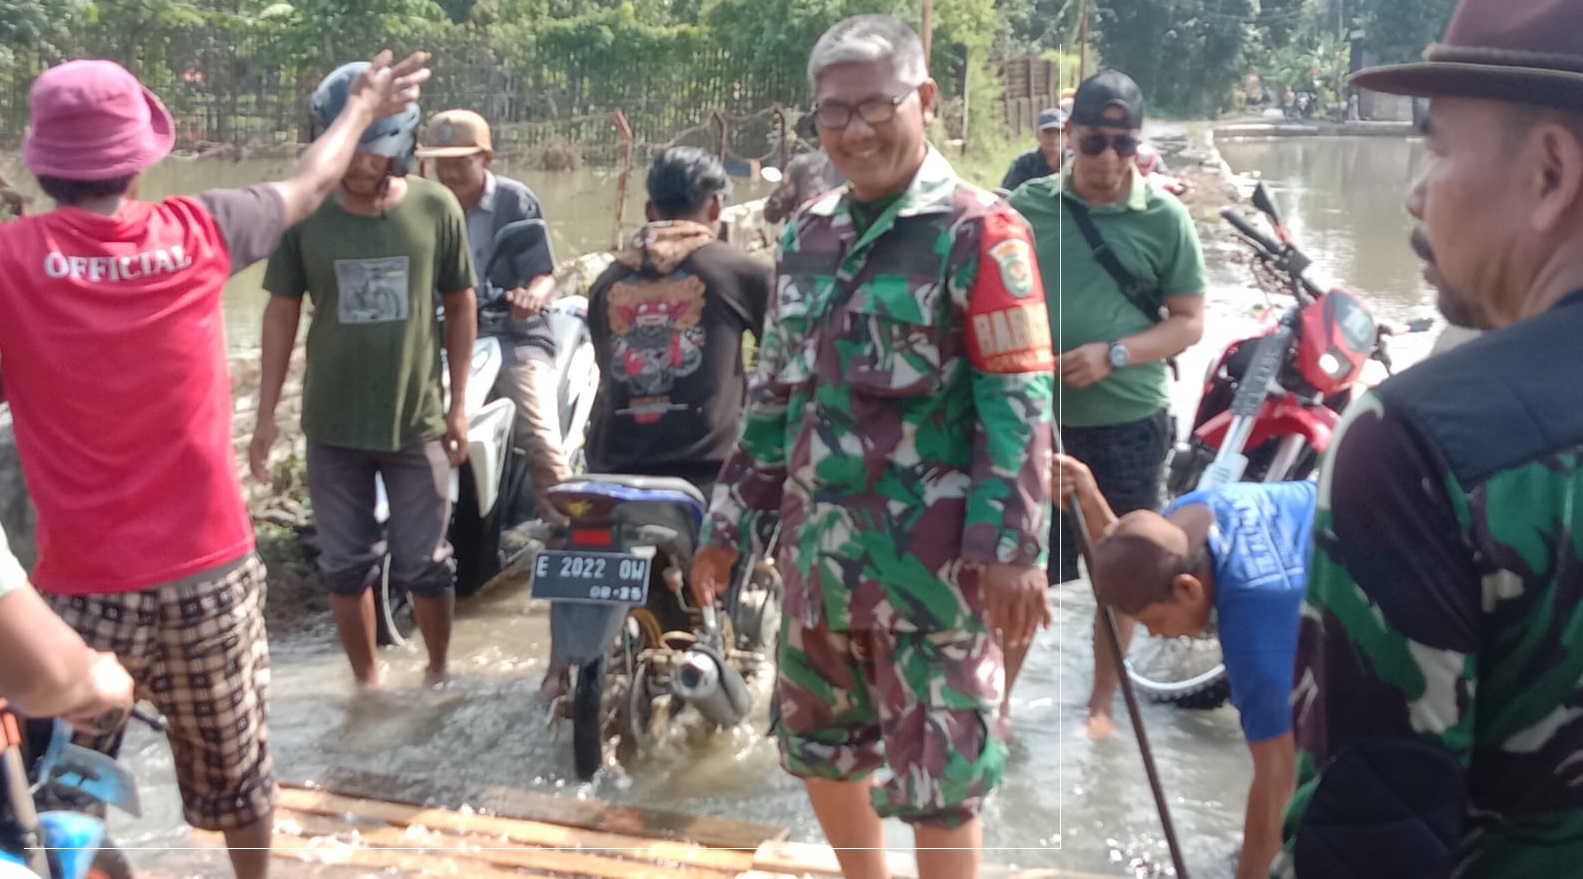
pixel 372 258
pixel 1112 404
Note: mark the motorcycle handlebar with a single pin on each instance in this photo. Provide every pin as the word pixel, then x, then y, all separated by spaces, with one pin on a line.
pixel 1273 250
pixel 1246 228
pixel 155 722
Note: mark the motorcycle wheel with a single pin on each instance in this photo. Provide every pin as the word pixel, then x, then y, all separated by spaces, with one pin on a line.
pixel 475 540
pixel 588 714
pixel 648 708
pixel 393 621
pixel 758 611
pixel 1184 672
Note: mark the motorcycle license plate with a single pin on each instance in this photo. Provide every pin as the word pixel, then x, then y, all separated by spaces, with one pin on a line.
pixel 590 577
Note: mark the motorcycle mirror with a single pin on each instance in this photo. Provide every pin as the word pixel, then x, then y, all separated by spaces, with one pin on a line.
pixel 1263 201
pixel 521 252
pixel 96 775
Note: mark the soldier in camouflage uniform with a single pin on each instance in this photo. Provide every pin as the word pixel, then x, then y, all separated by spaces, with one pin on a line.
pixel 900 424
pixel 1439 689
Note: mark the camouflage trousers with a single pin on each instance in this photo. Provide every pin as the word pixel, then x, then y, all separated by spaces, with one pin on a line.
pixel 917 703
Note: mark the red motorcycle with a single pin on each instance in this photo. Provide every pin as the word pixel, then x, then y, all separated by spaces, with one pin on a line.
pixel 1268 411
pixel 1271 400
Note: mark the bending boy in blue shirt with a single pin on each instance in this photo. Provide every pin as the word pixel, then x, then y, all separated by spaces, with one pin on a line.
pixel 1238 554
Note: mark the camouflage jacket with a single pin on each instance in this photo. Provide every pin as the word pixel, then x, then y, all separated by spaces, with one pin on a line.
pixel 900 417
pixel 1443 625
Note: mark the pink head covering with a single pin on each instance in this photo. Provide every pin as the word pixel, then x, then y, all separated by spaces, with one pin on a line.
pixel 1148 158
pixel 93 120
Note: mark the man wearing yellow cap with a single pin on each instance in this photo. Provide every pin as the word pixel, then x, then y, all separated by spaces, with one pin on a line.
pixel 459 144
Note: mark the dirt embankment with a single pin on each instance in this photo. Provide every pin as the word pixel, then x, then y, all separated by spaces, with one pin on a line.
pixel 1189 153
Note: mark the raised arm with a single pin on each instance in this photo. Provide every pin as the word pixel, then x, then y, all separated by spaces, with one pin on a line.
pixel 382 90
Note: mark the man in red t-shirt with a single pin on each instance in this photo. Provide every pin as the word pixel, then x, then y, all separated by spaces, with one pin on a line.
pixel 113 345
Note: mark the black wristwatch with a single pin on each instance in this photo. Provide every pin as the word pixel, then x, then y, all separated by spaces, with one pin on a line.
pixel 1119 355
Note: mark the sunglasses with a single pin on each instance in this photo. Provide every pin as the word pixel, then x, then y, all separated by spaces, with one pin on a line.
pixel 1093 144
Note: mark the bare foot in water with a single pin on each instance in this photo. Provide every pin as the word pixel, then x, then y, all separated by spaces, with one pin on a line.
pixel 1099 726
pixel 434 679
pixel 557 680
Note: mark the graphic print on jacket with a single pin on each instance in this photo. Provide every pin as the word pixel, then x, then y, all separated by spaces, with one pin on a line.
pixel 656 337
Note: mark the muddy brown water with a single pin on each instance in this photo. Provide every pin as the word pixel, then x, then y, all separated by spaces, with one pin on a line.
pixel 1066 803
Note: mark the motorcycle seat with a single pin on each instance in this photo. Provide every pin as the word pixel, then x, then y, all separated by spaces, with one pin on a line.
pixel 647 483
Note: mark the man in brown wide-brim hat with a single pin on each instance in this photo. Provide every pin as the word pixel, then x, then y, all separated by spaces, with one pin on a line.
pixel 1438 704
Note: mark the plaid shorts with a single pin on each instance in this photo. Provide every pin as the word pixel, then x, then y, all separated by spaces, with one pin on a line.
pixel 199 651
pixel 1128 461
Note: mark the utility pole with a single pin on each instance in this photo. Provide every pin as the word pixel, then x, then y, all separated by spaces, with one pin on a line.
pixel 928 32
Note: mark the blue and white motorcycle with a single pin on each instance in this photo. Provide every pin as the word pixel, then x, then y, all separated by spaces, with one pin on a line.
pixel 616 578
pixel 58 844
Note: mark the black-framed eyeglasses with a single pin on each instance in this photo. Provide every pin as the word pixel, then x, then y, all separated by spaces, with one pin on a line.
pixel 1093 144
pixel 836 116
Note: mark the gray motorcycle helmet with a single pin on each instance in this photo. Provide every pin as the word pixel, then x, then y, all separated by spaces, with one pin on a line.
pixel 394 136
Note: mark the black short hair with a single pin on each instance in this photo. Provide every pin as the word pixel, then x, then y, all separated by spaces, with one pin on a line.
pixel 70 192
pixel 683 179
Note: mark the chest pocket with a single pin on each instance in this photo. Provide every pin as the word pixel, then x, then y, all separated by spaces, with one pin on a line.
pixel 898 345
pixel 788 358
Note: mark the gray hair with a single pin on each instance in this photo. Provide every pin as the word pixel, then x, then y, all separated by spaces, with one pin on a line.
pixel 869 38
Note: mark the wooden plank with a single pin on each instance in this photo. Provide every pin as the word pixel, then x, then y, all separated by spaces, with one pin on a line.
pixel 474 850
pixel 532 833
pixel 299 850
pixel 805 858
pixel 526 805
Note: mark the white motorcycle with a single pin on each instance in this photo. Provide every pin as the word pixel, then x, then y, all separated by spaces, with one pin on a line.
pixel 492 491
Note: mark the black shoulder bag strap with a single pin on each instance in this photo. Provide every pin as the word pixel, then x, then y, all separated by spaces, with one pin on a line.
pixel 1137 292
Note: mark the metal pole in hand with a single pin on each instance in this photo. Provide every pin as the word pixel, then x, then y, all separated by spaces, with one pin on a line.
pixel 1085 547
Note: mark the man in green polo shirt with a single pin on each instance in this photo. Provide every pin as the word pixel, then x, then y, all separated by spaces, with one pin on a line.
pixel 1112 403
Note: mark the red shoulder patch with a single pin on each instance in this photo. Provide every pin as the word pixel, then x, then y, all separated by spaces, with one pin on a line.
pixel 1008 320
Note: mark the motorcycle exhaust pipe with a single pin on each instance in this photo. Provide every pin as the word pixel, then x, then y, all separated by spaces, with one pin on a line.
pixel 707 682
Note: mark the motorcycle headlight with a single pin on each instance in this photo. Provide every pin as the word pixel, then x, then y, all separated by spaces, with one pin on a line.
pixel 1334 366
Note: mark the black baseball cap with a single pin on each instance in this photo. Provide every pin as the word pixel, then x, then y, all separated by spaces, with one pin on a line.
pixel 1051 118
pixel 1100 92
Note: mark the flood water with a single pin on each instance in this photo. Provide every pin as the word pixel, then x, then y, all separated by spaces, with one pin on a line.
pixel 1066 803
pixel 579 204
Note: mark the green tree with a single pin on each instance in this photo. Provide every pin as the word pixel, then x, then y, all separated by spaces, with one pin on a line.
pixel 1184 54
pixel 29 27
pixel 1399 30
pixel 771 41
pixel 1278 22
pixel 1040 25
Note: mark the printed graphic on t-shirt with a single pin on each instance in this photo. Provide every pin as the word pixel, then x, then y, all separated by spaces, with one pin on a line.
pixel 656 338
pixel 372 291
